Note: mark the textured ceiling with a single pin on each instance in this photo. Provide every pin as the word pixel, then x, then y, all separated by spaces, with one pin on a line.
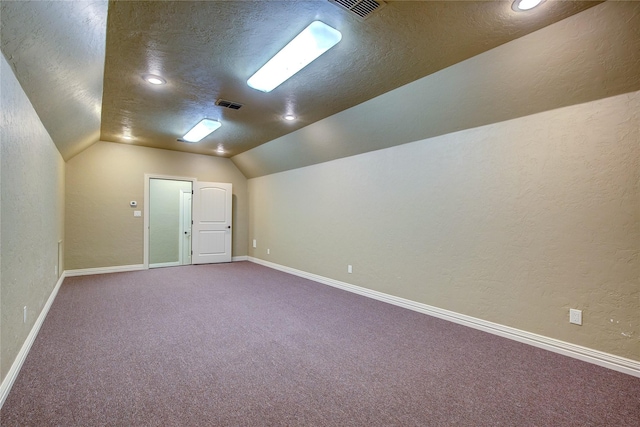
pixel 83 72
pixel 207 50
pixel 589 56
pixel 56 50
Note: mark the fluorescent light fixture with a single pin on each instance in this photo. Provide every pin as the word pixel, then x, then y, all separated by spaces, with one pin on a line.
pixel 523 5
pixel 290 117
pixel 153 79
pixel 202 129
pixel 312 42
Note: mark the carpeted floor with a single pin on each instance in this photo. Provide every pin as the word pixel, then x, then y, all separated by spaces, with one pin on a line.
pixel 244 345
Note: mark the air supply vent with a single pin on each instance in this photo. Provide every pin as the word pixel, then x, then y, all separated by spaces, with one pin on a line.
pixel 360 8
pixel 228 104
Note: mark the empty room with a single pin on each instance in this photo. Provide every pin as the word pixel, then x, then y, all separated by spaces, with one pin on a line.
pixel 320 213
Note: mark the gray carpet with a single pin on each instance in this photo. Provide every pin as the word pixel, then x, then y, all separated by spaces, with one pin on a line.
pixel 244 345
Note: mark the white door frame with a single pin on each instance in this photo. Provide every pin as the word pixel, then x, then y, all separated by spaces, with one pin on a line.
pixel 147 178
pixel 181 249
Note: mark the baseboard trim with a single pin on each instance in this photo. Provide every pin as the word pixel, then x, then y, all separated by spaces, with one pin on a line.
pixel 103 270
pixel 586 354
pixel 165 264
pixel 240 258
pixel 8 381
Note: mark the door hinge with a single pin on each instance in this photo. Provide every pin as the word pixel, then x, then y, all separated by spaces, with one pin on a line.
pixel 191 191
pixel 191 252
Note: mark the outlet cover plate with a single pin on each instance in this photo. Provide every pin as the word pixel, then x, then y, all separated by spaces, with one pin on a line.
pixel 575 316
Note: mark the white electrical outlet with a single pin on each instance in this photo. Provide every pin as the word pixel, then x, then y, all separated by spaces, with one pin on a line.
pixel 575 316
pixel 254 243
pixel 24 314
pixel 349 269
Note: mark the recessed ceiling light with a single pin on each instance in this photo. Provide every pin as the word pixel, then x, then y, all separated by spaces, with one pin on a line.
pixel 290 117
pixel 202 129
pixel 524 5
pixel 153 79
pixel 220 149
pixel 312 42
pixel 127 137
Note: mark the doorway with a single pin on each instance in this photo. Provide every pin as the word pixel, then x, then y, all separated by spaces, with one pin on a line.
pixel 186 221
pixel 169 222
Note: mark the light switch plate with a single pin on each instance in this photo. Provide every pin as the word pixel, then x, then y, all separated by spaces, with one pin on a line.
pixel 137 213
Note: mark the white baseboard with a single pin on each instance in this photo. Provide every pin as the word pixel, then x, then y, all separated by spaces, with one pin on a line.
pixel 240 258
pixel 103 270
pixel 8 381
pixel 165 264
pixel 586 354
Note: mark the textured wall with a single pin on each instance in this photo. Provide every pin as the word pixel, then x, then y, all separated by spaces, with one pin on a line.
pixel 32 215
pixel 164 219
pixel 514 222
pixel 101 230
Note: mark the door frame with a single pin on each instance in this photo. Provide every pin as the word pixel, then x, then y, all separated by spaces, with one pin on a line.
pixel 181 248
pixel 147 178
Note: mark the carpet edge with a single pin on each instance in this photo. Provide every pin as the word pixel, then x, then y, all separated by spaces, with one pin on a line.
pixel 8 381
pixel 597 357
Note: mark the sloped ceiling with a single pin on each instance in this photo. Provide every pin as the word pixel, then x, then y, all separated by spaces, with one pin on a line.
pixel 56 50
pixel 82 69
pixel 208 50
pixel 586 57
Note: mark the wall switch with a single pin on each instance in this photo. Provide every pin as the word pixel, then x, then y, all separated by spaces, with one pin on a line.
pixel 268 251
pixel 24 314
pixel 575 316
pixel 255 245
pixel 349 269
pixel 137 213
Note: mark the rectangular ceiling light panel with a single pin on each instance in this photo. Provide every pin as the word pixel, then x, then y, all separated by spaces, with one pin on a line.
pixel 202 129
pixel 312 42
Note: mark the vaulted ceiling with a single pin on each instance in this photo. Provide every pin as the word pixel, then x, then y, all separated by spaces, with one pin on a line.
pixel 82 62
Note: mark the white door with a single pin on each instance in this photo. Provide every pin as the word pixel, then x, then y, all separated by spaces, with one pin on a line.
pixel 211 231
pixel 185 228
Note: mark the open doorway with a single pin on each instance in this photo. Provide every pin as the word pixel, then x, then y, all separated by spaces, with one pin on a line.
pixel 169 222
pixel 186 221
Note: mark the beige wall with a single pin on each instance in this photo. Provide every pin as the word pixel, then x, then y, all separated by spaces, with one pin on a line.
pixel 101 230
pixel 32 216
pixel 164 219
pixel 513 222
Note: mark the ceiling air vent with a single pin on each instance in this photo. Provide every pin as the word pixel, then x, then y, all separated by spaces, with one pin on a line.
pixel 228 104
pixel 361 8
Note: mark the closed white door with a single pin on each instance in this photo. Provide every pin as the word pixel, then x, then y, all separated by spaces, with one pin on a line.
pixel 211 231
